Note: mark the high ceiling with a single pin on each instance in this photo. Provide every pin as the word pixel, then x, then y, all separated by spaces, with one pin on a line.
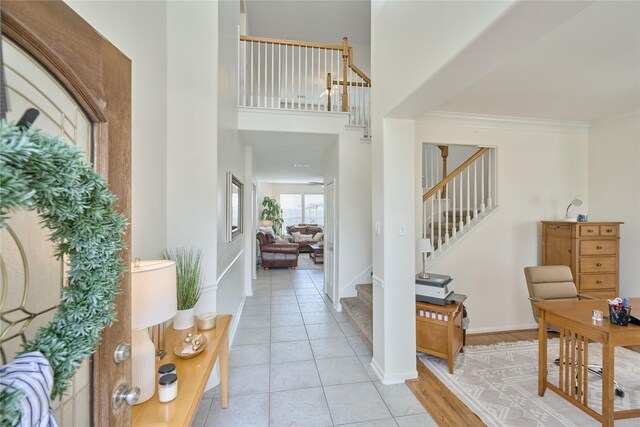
pixel 323 21
pixel 587 69
pixel 276 155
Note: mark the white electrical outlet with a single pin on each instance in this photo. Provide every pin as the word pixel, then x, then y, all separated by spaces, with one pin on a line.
pixel 377 227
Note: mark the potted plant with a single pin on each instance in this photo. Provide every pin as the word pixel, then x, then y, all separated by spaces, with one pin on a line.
pixel 271 212
pixel 188 282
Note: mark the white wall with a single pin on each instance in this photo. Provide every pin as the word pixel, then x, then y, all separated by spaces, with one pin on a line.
pixel 191 132
pixel 331 166
pixel 138 29
pixel 439 29
pixel 354 212
pixel 614 189
pixel 540 170
pixel 231 158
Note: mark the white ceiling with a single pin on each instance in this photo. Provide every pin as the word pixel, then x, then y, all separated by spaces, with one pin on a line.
pixel 275 154
pixel 322 21
pixel 587 69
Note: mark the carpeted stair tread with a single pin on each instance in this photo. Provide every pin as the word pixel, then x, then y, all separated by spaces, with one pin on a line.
pixel 361 318
pixel 365 293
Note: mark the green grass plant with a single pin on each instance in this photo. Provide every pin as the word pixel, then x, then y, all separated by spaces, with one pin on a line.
pixel 189 277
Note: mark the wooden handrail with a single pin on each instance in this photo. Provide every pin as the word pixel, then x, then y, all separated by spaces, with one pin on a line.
pixel 455 173
pixel 290 42
pixel 357 70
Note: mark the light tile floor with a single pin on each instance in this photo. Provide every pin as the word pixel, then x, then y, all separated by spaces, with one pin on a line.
pixel 296 362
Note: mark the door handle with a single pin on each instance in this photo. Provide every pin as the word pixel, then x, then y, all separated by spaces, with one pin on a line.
pixel 123 394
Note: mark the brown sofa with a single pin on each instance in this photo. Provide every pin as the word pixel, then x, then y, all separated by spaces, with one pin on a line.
pixel 277 255
pixel 304 229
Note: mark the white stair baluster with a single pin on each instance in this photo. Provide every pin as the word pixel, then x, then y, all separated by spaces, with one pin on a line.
pixel 439 220
pixel 325 75
pixel 306 79
pixel 475 190
pixel 251 74
pixel 279 76
pixel 266 72
pixel 468 195
pixel 482 202
pixel 432 235
pixel 489 196
pixel 273 88
pixel 312 80
pixel 461 204
pixel 446 214
pixel 258 71
pixel 245 72
pixel 455 224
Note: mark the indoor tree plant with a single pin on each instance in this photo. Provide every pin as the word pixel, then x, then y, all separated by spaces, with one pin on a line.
pixel 271 212
pixel 188 282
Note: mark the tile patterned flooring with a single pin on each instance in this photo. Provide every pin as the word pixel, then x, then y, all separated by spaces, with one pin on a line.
pixel 296 362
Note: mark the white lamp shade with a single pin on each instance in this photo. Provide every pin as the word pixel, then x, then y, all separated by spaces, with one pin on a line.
pixel 153 293
pixel 424 245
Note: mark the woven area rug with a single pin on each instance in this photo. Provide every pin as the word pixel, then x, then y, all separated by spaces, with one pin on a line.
pixel 499 383
pixel 306 263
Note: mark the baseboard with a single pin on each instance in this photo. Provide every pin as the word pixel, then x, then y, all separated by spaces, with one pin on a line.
pixel 389 379
pixel 505 328
pixel 214 378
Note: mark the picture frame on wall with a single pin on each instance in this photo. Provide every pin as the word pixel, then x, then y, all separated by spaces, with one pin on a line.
pixel 235 190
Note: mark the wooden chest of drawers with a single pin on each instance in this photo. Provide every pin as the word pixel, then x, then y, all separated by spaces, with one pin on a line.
pixel 590 249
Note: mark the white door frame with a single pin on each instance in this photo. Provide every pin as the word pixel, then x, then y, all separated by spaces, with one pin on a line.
pixel 331 251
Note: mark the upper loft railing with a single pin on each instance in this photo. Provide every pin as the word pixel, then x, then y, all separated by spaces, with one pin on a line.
pixel 296 75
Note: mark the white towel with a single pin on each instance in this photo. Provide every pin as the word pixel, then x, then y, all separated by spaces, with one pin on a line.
pixel 31 373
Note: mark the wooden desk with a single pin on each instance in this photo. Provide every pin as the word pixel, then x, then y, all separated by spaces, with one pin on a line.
pixel 574 320
pixel 192 378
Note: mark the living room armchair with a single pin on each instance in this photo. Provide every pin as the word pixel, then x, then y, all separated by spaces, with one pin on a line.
pixel 277 254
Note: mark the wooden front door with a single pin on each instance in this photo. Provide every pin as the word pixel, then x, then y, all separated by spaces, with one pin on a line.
pixel 98 78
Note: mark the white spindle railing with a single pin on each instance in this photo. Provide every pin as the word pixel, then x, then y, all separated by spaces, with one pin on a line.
pixel 469 191
pixel 284 74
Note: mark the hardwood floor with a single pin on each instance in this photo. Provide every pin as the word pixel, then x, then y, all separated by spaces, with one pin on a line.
pixel 445 408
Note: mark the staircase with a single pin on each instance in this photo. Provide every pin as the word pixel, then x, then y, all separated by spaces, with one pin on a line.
pixel 450 224
pixel 459 202
pixel 359 312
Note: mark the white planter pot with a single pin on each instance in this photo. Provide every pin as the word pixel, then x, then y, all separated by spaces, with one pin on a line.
pixel 184 319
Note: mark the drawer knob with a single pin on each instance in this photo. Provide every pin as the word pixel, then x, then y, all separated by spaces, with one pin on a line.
pixel 599 265
pixel 598 247
pixel 589 231
pixel 609 230
pixel 599 282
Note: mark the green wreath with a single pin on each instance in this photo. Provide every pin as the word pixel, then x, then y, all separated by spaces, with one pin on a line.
pixel 45 173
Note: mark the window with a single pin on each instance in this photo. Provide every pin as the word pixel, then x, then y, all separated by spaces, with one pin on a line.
pixel 291 205
pixel 314 209
pixel 302 209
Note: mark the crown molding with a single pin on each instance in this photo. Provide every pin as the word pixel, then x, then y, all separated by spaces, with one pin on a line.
pixel 613 121
pixel 445 118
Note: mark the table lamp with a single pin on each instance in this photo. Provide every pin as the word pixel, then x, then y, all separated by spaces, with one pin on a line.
pixel 574 202
pixel 153 301
pixel 424 246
